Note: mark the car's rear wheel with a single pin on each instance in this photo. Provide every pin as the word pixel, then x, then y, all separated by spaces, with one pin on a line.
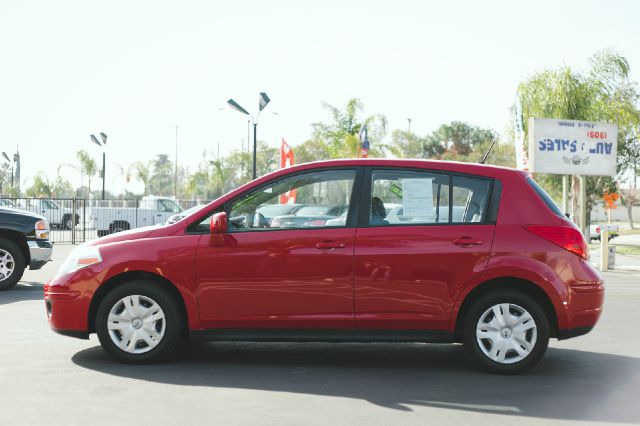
pixel 506 331
pixel 139 322
pixel 12 264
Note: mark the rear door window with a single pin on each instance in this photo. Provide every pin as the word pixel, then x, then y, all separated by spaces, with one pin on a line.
pixel 470 198
pixel 408 197
pixel 405 197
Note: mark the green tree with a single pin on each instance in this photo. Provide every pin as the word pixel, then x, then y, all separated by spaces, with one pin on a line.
pixel 409 145
pixel 141 172
pixel 603 93
pixel 458 139
pixel 5 180
pixel 340 133
pixel 40 187
pixel 62 188
pixel 311 150
pixel 88 165
pixel 161 181
pixel 629 161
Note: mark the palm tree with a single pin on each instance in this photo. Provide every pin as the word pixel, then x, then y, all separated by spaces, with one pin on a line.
pixel 41 186
pixel 87 165
pixel 341 132
pixel 604 93
pixel 142 173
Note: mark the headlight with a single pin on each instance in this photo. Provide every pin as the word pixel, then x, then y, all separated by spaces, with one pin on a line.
pixel 42 230
pixel 80 257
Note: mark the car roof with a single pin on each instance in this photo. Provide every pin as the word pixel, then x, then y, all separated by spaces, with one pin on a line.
pixel 451 166
pixel 433 165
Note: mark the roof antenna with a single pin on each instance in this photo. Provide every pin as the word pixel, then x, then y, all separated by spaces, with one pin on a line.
pixel 487 153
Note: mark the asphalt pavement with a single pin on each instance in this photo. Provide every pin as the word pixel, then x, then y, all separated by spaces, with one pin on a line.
pixel 50 379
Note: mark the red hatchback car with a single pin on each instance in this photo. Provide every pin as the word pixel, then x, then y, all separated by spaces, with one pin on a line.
pixel 418 251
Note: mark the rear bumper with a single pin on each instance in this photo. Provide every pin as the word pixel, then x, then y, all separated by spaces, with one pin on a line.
pixel 39 252
pixel 583 309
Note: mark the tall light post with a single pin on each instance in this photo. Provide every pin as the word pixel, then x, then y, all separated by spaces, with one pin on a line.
pixel 102 144
pixel 175 176
pixel 262 103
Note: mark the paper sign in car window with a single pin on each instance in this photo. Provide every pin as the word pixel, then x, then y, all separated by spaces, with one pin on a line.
pixel 395 189
pixel 417 198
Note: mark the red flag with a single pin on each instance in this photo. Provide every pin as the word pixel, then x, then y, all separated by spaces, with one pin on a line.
pixel 287 160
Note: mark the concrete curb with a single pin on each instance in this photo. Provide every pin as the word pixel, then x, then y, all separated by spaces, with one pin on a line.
pixel 625 268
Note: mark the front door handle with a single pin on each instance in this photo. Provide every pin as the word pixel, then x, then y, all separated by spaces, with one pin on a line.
pixel 466 242
pixel 329 245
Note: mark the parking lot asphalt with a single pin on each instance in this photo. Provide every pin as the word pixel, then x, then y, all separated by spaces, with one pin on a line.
pixel 50 379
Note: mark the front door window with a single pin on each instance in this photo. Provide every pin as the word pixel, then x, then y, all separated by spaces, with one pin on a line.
pixel 313 200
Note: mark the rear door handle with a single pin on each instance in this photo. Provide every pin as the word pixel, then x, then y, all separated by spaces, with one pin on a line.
pixel 329 245
pixel 466 242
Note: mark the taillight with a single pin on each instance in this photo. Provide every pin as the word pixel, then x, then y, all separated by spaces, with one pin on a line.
pixel 597 229
pixel 567 237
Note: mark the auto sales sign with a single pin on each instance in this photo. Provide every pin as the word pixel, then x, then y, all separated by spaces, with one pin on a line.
pixel 570 147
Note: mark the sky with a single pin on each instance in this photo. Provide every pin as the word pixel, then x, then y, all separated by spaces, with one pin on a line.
pixel 135 69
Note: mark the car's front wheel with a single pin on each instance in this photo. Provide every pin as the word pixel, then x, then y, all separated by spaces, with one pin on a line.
pixel 139 322
pixel 506 332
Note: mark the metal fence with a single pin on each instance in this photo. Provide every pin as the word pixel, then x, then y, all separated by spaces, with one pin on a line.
pixel 76 220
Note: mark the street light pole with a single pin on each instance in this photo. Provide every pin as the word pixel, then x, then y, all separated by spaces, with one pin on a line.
pixel 255 148
pixel 102 145
pixel 175 177
pixel 262 103
pixel 103 172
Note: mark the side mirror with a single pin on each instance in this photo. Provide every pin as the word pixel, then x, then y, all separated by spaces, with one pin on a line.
pixel 218 223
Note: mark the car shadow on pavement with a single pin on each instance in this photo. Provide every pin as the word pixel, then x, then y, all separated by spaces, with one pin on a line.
pixel 567 384
pixel 24 290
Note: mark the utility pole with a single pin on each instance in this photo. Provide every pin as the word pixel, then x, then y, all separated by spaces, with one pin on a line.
pixel 409 127
pixel 175 177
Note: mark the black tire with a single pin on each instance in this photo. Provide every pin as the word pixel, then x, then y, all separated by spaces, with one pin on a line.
pixel 18 263
pixel 514 297
pixel 66 222
pixel 119 226
pixel 172 317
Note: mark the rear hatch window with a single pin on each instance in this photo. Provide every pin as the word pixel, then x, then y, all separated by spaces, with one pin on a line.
pixel 545 197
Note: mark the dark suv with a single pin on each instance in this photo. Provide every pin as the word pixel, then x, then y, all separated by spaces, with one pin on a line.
pixel 24 241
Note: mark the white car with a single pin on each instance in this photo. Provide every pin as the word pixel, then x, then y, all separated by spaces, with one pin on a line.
pixel 150 211
pixel 595 230
pixel 56 214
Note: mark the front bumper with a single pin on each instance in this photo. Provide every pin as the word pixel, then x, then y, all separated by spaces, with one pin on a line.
pixel 67 301
pixel 40 252
pixel 574 332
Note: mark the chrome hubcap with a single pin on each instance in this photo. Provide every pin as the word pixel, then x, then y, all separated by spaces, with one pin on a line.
pixel 506 333
pixel 136 324
pixel 7 265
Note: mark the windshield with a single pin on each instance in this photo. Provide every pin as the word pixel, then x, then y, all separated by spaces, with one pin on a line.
pixel 271 210
pixel 318 210
pixel 168 206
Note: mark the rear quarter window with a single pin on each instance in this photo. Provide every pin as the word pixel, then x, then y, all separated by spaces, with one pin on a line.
pixel 545 197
